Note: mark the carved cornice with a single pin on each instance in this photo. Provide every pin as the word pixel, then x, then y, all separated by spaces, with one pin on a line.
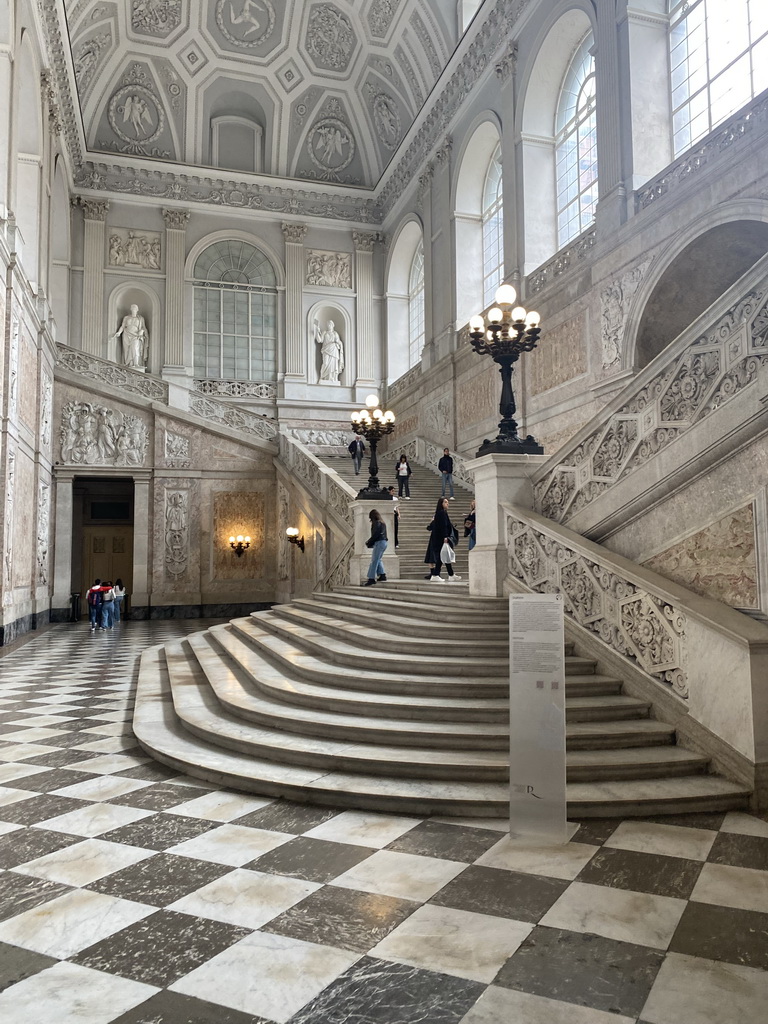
pixel 365 240
pixel 176 220
pixel 57 54
pixel 294 233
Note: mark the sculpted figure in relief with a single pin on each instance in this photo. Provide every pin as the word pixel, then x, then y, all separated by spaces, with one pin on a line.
pixel 135 339
pixel 332 351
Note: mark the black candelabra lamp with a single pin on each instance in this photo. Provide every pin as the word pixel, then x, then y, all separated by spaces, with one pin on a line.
pixel 373 423
pixel 504 333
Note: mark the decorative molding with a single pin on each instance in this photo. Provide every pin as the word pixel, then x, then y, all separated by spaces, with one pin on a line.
pixel 235 388
pixel 55 122
pixel 94 435
pixel 294 233
pixel 320 438
pixel 121 377
pixel 176 220
pixel 403 383
pixel 10 492
pixel 365 240
pixel 615 302
pixel 43 531
pixel 578 251
pixel 60 57
pixel 235 417
pixel 507 63
pixel 46 411
pixel 443 151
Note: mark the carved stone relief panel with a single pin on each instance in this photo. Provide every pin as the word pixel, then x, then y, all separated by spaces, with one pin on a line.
pixel 141 111
pixel 329 269
pixel 237 512
pixel 380 15
pixel 130 248
pixel 24 527
pixel 155 17
pixel 246 27
pixel 27 381
pixel 437 420
pixel 561 356
pixel 406 426
pixel 615 303
pixel 8 518
pixel 87 56
pixel 478 399
pixel 330 41
pixel 13 368
pixel 94 435
pixel 718 561
pixel 43 530
pixel 176 450
pixel 176 532
pixel 46 412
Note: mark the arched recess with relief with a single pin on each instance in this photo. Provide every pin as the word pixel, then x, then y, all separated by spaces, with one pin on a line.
pixel 402 300
pixel 121 298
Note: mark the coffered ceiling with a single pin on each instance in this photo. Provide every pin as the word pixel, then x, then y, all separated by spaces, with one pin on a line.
pixel 333 85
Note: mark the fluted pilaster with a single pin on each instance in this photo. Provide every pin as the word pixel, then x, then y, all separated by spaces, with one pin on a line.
pixel 95 215
pixel 295 349
pixel 175 252
pixel 366 365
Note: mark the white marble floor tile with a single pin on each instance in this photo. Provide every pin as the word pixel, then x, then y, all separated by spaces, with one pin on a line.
pixel 220 805
pixel 689 990
pixel 12 796
pixel 7 826
pixel 71 922
pixel 744 824
pixel 726 886
pixel 564 861
pixel 113 729
pixel 37 734
pixel 617 914
pixel 10 771
pixel 82 863
pixel 20 751
pixel 405 875
pixel 360 829
pixel 668 840
pixel 103 787
pixel 189 780
pixel 269 976
pixel 231 844
pixel 247 898
pixel 93 821
pixel 457 942
pixel 39 721
pixel 110 745
pixel 503 1006
pixel 111 763
pixel 72 994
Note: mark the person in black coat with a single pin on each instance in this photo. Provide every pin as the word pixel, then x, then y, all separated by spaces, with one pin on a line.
pixel 442 530
pixel 377 542
pixel 403 475
pixel 357 450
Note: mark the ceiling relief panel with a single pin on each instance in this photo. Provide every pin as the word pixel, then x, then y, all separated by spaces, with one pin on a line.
pixel 157 19
pixel 248 29
pixel 143 114
pixel 330 39
pixel 331 149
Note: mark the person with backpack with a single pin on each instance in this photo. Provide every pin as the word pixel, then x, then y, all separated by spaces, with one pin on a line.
pixel 93 600
pixel 107 605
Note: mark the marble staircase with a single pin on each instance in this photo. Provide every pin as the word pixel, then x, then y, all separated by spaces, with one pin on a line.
pixel 395 698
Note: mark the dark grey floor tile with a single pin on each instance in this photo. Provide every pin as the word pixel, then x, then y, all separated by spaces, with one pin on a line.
pixel 585 969
pixel 57 778
pixel 642 872
pixel 345 918
pixel 16 964
pixel 159 880
pixel 39 808
pixel 173 1008
pixel 700 819
pixel 282 816
pixel 61 758
pixel 721 933
pixel 22 892
pixel 155 798
pixel 449 842
pixel 160 831
pixel 70 738
pixel 152 772
pixel 81 725
pixel 740 851
pixel 512 894
pixel 376 992
pixel 595 831
pixel 186 943
pixel 315 860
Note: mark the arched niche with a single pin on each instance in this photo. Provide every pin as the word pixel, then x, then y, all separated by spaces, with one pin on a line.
pixel 120 301
pixel 59 254
pixel 690 281
pixel 474 162
pixel 236 106
pixel 321 314
pixel 540 90
pixel 397 276
pixel 29 135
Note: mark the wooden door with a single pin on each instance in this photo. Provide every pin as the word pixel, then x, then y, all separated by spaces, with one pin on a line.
pixel 107 555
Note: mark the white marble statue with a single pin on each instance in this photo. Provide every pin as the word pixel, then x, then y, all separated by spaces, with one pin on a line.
pixel 135 339
pixel 332 351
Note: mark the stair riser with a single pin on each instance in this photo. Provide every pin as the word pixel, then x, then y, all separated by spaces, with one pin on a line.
pixel 421 628
pixel 607 714
pixel 612 772
pixel 614 741
pixel 585 689
pixel 646 808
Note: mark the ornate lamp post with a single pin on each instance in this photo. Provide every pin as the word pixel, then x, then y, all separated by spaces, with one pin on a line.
pixel 373 423
pixel 504 334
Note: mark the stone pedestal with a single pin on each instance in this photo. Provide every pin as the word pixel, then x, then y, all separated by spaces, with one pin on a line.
pixel 361 558
pixel 498 479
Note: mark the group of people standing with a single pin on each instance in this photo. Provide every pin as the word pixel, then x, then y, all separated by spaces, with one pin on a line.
pixel 105 600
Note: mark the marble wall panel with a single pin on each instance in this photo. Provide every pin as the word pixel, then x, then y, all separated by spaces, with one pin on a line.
pixel 27 384
pixel 718 561
pixel 555 440
pixel 437 419
pixel 561 355
pixel 238 512
pixel 24 525
pixel 477 399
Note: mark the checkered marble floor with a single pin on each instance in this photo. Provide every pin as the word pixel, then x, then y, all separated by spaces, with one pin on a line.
pixel 130 894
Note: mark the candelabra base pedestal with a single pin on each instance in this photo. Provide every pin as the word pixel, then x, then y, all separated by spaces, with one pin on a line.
pixel 374 494
pixel 502 445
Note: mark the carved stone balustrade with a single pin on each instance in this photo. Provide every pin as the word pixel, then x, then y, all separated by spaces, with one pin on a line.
pixel 115 376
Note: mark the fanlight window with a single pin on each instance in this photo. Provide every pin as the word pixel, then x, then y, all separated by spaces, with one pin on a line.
pixel 235 313
pixel 493 229
pixel 576 146
pixel 718 62
pixel 416 307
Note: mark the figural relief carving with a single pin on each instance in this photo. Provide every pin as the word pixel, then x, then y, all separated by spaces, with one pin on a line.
pixel 329 269
pixel 155 17
pixel 176 532
pixel 331 147
pixel 177 448
pixel 43 531
pixel 615 301
pixel 386 119
pixel 129 249
pixel 93 435
pixel 330 37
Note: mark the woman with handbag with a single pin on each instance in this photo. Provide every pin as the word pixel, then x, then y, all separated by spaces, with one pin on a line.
pixel 441 544
pixel 377 542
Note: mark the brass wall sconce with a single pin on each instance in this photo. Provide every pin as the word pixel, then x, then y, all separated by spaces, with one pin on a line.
pixel 239 544
pixel 293 536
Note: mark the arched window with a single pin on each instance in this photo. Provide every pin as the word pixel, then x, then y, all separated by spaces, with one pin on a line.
pixel 576 146
pixel 718 62
pixel 493 229
pixel 235 321
pixel 416 307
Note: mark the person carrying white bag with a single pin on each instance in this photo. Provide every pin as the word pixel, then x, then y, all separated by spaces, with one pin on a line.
pixel 444 535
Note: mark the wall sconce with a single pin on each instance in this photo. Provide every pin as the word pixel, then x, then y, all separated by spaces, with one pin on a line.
pixel 293 536
pixel 239 544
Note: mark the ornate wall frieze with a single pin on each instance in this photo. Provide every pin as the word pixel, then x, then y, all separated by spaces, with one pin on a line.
pixel 615 303
pixel 94 435
pixel 128 248
pixel 573 254
pixel 329 269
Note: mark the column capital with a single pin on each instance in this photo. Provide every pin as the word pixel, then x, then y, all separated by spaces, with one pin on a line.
pixel 365 240
pixel 294 232
pixel 93 209
pixel 507 63
pixel 176 220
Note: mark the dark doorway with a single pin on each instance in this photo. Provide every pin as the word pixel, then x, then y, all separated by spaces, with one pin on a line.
pixel 102 533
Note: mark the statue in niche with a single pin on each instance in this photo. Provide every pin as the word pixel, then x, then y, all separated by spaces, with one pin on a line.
pixel 332 351
pixel 135 339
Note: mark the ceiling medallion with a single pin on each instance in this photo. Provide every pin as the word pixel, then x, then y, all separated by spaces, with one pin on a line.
pixel 330 38
pixel 245 23
pixel 135 116
pixel 331 146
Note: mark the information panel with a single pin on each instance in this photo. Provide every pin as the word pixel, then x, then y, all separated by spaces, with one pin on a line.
pixel 537 718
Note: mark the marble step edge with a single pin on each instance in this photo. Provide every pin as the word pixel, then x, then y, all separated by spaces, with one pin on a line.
pixel 633 763
pixel 641 797
pixel 420 624
pixel 363 599
pixel 635 732
pixel 415 590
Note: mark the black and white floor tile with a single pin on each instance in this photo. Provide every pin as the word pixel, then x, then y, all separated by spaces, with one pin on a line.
pixel 130 894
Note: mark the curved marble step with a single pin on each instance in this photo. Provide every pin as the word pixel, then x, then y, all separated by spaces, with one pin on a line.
pixel 422 608
pixel 633 763
pixel 640 732
pixel 419 624
pixel 605 707
pixel 641 797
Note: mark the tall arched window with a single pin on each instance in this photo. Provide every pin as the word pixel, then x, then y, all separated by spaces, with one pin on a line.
pixel 718 62
pixel 576 146
pixel 416 307
pixel 235 321
pixel 493 229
